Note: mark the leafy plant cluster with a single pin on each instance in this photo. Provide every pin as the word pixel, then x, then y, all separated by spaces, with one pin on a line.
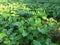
pixel 29 24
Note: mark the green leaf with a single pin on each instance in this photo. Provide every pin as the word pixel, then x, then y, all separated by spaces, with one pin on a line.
pixel 24 33
pixel 2 35
pixel 7 41
pixel 36 42
pixel 44 30
pixel 48 41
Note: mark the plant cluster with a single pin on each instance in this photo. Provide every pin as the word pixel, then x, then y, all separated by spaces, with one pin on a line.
pixel 23 24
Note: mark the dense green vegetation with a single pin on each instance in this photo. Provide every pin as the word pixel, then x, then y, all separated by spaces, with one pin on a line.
pixel 29 22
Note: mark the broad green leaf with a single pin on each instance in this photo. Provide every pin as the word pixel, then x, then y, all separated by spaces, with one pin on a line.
pixel 2 35
pixel 36 42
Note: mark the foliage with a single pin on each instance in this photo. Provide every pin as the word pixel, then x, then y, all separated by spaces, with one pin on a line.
pixel 26 23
